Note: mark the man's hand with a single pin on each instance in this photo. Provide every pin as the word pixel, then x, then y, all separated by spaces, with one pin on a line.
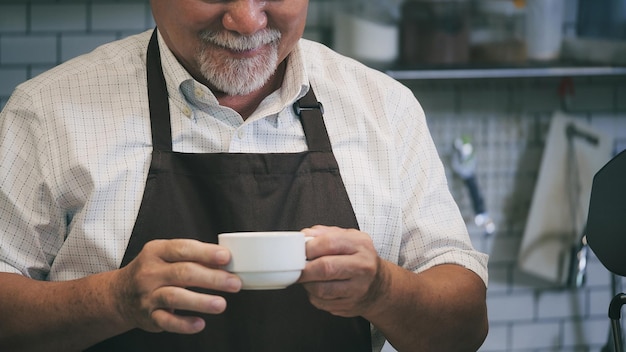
pixel 344 275
pixel 155 284
pixel 415 311
pixel 76 314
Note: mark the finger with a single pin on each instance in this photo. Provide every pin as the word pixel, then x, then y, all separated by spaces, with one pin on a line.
pixel 190 274
pixel 321 230
pixel 328 290
pixel 177 250
pixel 168 321
pixel 335 297
pixel 175 298
pixel 171 299
pixel 328 245
pixel 337 268
pixel 316 230
pixel 343 307
pixel 343 298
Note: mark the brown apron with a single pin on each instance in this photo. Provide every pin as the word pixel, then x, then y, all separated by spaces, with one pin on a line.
pixel 201 195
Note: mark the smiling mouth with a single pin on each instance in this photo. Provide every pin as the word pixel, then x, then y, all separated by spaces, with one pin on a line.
pixel 241 54
pixel 239 45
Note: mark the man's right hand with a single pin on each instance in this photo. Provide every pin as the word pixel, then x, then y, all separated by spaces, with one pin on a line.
pixel 73 315
pixel 155 284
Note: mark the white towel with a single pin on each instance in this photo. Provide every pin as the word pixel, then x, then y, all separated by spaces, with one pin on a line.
pixel 558 211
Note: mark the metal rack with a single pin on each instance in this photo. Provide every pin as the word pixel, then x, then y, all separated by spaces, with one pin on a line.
pixel 506 72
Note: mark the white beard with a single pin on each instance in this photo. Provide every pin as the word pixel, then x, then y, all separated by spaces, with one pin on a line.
pixel 238 76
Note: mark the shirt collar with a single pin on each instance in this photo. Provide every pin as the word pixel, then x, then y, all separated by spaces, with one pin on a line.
pixel 296 81
pixel 176 77
pixel 277 106
pixel 184 90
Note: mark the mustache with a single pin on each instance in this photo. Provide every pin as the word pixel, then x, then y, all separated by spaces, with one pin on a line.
pixel 238 42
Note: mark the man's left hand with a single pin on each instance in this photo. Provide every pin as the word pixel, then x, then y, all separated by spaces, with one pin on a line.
pixel 344 275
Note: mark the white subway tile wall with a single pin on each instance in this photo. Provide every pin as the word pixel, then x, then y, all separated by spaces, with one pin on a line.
pixel 508 120
pixel 58 17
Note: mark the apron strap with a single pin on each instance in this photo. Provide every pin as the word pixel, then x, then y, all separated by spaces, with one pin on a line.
pixel 158 99
pixel 311 116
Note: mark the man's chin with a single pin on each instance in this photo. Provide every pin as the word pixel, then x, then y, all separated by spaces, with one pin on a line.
pixel 237 89
pixel 233 83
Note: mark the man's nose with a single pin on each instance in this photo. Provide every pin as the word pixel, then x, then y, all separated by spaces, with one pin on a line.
pixel 245 16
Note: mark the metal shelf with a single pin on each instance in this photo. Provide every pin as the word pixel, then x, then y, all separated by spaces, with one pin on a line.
pixel 508 72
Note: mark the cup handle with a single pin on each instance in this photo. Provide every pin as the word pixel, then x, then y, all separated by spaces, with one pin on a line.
pixel 307 239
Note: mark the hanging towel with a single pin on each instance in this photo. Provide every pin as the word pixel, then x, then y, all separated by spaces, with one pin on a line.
pixel 574 152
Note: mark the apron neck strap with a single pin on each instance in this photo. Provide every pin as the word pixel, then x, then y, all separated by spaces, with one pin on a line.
pixel 158 98
pixel 311 116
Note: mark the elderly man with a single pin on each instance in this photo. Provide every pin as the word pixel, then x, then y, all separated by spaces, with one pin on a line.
pixel 120 167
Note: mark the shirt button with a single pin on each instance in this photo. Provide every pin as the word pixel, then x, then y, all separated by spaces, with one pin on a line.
pixel 241 133
pixel 199 93
pixel 187 111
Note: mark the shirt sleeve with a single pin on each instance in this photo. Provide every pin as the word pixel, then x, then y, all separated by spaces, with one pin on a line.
pixel 29 219
pixel 434 231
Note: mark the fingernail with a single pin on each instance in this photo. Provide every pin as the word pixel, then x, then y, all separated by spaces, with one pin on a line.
pixel 218 304
pixel 233 283
pixel 222 256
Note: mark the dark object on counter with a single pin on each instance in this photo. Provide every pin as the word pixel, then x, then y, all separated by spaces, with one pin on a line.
pixel 606 230
pixel 606 222
pixel 434 32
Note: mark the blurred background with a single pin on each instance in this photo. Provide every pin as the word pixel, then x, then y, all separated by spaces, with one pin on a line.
pixel 525 99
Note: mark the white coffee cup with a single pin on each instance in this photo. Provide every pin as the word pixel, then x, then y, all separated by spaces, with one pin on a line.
pixel 265 260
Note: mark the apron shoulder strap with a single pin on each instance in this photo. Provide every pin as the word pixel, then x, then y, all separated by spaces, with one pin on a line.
pixel 158 98
pixel 311 116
